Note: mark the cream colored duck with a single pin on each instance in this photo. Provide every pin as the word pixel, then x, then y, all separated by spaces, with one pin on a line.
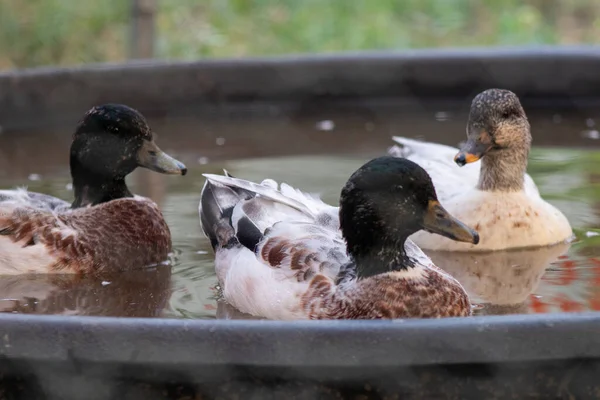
pixel 495 196
pixel 280 253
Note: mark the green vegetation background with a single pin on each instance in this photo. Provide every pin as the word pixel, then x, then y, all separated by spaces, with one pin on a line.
pixel 61 32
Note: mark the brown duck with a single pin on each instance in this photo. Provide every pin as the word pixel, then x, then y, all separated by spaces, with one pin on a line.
pixel 106 228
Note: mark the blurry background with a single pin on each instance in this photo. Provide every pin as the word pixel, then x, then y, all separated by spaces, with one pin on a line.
pixel 59 32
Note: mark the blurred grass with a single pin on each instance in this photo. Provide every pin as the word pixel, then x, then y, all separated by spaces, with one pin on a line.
pixel 60 32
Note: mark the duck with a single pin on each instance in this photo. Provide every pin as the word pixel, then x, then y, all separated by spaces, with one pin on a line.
pixel 284 254
pixel 106 228
pixel 485 183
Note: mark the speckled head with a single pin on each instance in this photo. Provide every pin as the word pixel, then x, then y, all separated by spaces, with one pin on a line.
pixel 114 119
pixel 390 198
pixel 496 121
pixel 113 139
pixel 109 143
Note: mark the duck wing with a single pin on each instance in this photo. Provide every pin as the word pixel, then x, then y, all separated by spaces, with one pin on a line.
pixel 437 159
pixel 285 227
pixel 270 241
pixel 106 237
pixel 33 200
pixel 251 208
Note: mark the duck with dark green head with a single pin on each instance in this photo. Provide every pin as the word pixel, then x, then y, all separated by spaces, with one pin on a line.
pixel 283 254
pixel 106 228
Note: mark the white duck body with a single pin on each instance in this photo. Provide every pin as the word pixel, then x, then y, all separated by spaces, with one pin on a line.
pixel 504 219
pixel 485 184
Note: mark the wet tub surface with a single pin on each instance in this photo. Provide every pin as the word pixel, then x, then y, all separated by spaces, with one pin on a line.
pixel 563 278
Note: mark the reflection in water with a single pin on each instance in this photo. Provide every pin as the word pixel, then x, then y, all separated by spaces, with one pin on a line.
pixel 139 293
pixel 500 282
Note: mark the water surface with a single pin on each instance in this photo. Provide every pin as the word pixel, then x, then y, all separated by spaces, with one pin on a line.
pixel 563 278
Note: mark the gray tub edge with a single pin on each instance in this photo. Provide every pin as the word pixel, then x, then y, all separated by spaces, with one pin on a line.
pixel 489 339
pixel 53 95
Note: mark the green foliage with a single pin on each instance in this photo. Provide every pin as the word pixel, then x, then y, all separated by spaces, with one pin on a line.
pixel 43 32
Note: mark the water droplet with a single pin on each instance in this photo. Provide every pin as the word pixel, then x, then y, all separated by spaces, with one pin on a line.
pixel 325 125
pixel 69 186
pixel 104 283
pixel 590 234
pixel 442 116
pixel 557 118
pixel 590 123
pixel 35 177
pixel 592 134
pixel 203 160
pixel 220 141
pixel 201 252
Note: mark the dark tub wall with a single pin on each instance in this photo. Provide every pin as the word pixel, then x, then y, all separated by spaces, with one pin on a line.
pixel 539 75
pixel 266 107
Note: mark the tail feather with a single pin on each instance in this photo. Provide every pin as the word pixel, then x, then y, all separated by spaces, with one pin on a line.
pixel 220 196
pixel 216 205
pixel 252 189
pixel 250 208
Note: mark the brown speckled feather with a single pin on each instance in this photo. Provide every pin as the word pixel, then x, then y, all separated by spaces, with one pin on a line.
pixel 426 294
pixel 315 254
pixel 303 250
pixel 113 236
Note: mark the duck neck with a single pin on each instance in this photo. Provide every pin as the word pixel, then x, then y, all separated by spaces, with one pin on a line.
pixel 504 169
pixel 384 255
pixel 95 190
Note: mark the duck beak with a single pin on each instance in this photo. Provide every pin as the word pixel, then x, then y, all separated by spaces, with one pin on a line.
pixel 438 220
pixel 473 150
pixel 152 157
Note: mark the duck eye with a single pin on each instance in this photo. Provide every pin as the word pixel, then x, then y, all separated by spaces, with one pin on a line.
pixel 152 153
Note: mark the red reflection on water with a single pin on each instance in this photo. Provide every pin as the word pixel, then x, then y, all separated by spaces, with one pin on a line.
pixel 572 285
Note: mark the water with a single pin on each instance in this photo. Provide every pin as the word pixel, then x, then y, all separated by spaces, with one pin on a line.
pixel 533 281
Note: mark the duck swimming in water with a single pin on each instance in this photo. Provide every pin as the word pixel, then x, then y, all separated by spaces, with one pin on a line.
pixel 280 253
pixel 106 228
pixel 492 191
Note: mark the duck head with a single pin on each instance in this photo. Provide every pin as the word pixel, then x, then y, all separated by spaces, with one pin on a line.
pixel 387 200
pixel 109 143
pixel 497 122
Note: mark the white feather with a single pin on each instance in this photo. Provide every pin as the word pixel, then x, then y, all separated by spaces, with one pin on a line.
pixel 503 220
pixel 448 178
pixel 17 260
